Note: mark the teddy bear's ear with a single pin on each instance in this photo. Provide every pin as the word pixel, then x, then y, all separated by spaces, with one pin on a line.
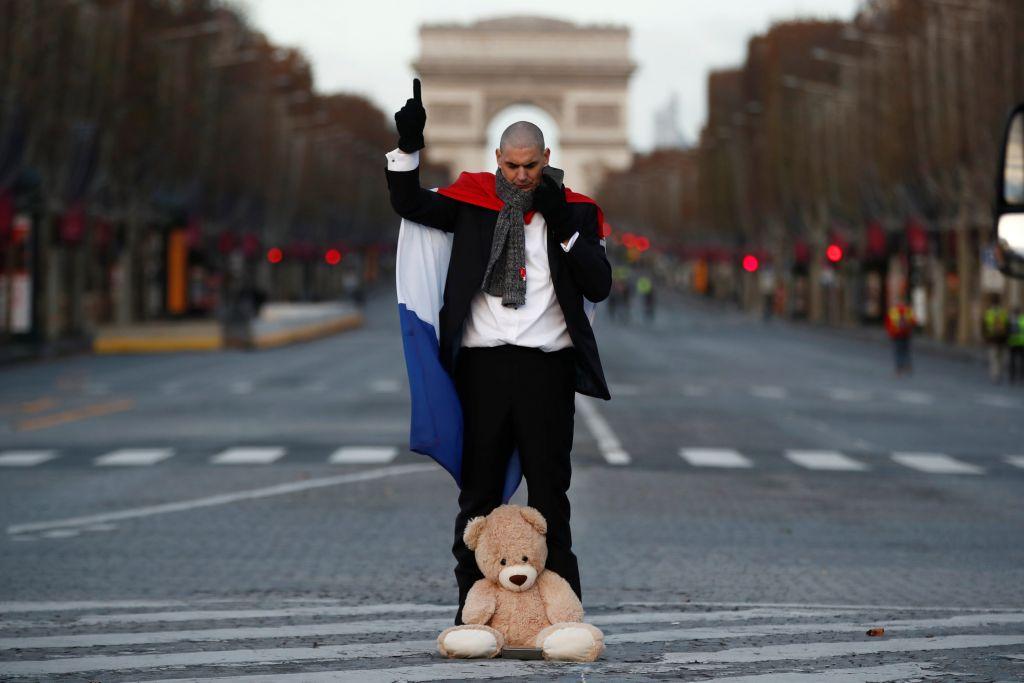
pixel 474 528
pixel 536 520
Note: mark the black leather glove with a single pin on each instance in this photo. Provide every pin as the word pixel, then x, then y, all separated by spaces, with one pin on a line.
pixel 549 199
pixel 410 121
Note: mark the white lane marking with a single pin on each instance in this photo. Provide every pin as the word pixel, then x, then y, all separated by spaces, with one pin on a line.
pixel 352 455
pixel 248 456
pixel 695 391
pixel 935 463
pixel 220 499
pixel 456 670
pixel 61 533
pixel 842 394
pixel 1016 460
pixel 825 460
pixel 219 658
pixel 55 606
pixel 915 397
pixel 134 457
pixel 817 606
pixel 349 627
pixel 769 392
pixel 714 457
pixel 241 387
pixel 25 458
pixel 287 612
pixel 228 634
pixel 757 630
pixel 607 442
pixel 808 651
pixel 886 673
pixel 997 401
pixel 385 386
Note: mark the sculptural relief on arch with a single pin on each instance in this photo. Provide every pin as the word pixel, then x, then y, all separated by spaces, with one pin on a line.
pixel 577 74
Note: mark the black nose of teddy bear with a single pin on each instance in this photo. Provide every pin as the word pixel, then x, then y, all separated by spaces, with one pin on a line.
pixel 518 579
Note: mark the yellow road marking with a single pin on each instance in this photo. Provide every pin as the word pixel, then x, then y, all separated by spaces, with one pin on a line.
pixel 82 413
pixel 38 405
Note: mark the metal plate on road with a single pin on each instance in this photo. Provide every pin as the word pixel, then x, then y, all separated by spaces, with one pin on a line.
pixel 522 653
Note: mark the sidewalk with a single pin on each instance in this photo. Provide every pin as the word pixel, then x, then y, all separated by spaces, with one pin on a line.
pixel 278 324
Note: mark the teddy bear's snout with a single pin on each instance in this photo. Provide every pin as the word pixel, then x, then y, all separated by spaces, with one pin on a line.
pixel 518 577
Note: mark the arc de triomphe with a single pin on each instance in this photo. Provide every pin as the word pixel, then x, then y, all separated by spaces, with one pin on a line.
pixel 577 74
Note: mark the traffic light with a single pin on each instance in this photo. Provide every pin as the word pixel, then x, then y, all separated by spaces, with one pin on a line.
pixel 750 263
pixel 333 257
pixel 834 253
pixel 274 255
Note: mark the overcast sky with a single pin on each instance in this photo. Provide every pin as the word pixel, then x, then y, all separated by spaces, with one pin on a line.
pixel 367 47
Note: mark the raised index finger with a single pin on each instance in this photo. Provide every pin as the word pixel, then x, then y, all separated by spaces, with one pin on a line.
pixel 416 89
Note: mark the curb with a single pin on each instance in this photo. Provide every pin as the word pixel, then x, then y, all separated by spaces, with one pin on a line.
pixel 213 340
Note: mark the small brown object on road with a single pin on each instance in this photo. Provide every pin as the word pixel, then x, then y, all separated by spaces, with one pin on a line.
pixel 875 632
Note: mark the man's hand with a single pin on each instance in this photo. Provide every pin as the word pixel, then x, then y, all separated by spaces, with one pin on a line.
pixel 550 200
pixel 411 120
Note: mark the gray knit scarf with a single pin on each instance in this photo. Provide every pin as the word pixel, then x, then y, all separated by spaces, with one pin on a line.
pixel 504 276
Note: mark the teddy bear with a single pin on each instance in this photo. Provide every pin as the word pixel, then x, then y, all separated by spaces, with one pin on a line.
pixel 518 603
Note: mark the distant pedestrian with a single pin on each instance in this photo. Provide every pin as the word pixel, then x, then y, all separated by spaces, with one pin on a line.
pixel 899 323
pixel 995 330
pixel 1016 342
pixel 645 289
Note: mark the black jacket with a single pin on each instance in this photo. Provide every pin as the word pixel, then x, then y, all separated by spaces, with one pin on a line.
pixel 583 271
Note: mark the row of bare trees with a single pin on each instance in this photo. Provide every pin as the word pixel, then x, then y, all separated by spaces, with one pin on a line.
pixel 121 118
pixel 136 108
pixel 844 130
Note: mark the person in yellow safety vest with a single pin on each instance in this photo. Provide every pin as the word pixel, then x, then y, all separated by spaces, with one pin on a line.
pixel 995 330
pixel 645 288
pixel 1016 342
pixel 899 323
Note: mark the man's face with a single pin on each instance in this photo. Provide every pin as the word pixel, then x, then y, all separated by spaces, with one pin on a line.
pixel 522 166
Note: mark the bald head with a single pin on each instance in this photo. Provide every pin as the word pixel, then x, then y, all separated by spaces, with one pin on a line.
pixel 522 134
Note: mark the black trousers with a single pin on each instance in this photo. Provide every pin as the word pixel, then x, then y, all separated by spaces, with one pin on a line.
pixel 516 398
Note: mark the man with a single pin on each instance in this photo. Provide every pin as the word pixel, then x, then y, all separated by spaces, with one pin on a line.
pixel 899 323
pixel 995 329
pixel 513 331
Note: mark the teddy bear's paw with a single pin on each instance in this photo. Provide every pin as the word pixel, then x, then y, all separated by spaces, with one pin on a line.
pixel 470 642
pixel 571 642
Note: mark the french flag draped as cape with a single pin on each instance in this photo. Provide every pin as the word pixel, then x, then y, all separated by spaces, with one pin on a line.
pixel 421 268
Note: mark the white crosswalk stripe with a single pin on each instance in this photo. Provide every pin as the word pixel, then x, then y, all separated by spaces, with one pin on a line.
pixel 25 458
pixel 294 640
pixel 1016 460
pixel 356 455
pixel 825 460
pixel 134 457
pixel 715 457
pixel 248 456
pixel 936 463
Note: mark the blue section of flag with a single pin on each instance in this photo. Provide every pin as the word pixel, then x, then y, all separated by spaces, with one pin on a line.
pixel 436 427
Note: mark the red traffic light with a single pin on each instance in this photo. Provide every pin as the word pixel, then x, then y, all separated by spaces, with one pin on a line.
pixel 333 257
pixel 834 253
pixel 274 255
pixel 642 243
pixel 750 263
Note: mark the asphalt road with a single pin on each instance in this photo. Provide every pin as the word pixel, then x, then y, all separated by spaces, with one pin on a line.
pixel 754 497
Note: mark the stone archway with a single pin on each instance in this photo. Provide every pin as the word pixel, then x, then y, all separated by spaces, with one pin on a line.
pixel 577 74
